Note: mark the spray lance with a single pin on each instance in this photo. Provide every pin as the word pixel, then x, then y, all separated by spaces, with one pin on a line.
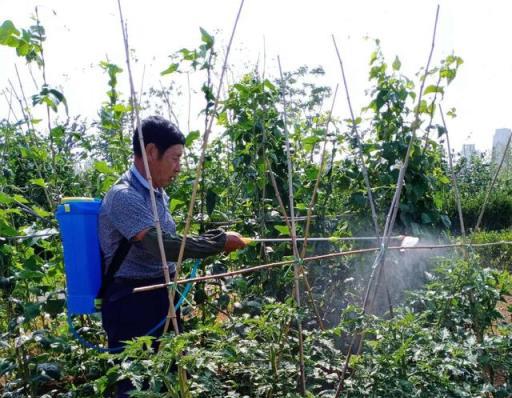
pixel 406 241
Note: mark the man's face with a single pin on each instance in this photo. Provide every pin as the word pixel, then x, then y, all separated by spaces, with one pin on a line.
pixel 166 167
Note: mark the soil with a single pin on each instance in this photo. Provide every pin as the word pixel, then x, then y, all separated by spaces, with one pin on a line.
pixel 503 308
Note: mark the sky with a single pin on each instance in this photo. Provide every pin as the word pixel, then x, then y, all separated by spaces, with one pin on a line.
pixel 81 34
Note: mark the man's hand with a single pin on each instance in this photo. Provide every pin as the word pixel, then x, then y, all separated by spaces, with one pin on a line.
pixel 233 242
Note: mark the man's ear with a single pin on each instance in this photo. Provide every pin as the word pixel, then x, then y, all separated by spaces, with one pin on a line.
pixel 151 152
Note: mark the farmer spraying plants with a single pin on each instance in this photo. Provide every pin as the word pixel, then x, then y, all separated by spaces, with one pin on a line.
pixel 128 237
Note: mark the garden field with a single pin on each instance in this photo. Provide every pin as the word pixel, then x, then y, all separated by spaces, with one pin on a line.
pixel 380 262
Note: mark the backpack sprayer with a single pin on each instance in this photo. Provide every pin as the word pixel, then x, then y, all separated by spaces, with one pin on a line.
pixel 78 222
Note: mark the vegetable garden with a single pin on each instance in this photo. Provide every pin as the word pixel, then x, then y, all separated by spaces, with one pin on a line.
pixel 330 302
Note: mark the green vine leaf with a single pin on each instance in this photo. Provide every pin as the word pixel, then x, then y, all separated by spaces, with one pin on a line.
pixel 171 69
pixel 396 64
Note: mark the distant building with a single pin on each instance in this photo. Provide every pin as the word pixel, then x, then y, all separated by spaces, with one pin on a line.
pixel 468 151
pixel 499 143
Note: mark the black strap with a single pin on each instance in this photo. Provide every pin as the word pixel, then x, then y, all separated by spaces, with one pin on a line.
pixel 117 260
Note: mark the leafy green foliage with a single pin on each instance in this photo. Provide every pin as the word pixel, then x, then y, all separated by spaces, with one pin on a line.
pixel 474 176
pixel 241 337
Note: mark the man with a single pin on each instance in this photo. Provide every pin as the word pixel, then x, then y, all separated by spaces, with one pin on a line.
pixel 126 219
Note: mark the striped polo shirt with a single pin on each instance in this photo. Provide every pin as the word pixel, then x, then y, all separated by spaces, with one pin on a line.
pixel 125 211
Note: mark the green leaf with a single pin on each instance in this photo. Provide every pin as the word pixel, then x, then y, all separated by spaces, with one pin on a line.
pixel 5 199
pixel 175 203
pixel 310 142
pixel 7 33
pixel 54 306
pixel 19 198
pixel 396 64
pixel 440 131
pixel 41 212
pixel 6 365
pixel 282 229
pixel 103 167
pixel 206 38
pixel 301 206
pixel 38 181
pixel 171 69
pixel 191 137
pixel 425 218
pixel 211 201
pixel 31 310
pixel 311 173
pixel 50 97
pixel 433 89
pixel 6 229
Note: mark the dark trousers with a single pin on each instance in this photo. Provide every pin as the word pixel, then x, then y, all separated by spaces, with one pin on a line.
pixel 126 315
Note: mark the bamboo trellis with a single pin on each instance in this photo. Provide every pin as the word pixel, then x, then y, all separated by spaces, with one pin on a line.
pixel 383 240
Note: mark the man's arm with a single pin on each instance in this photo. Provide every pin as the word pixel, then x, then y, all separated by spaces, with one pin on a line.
pixel 199 246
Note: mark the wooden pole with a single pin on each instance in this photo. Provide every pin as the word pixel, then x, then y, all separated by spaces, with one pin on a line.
pixel 199 166
pixel 357 136
pixel 296 267
pixel 182 376
pixel 454 177
pixel 323 159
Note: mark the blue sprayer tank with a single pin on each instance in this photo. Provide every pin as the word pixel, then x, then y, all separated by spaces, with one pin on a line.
pixel 78 221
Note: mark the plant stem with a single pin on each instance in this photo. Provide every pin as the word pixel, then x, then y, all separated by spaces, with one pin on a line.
pixel 318 177
pixel 287 221
pixel 49 122
pixel 30 129
pixel 357 136
pixel 425 145
pixel 454 177
pixel 364 169
pixel 296 267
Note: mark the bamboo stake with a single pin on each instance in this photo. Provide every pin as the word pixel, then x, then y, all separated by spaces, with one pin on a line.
pixel 454 177
pixel 49 122
pixel 305 278
pixel 425 145
pixel 189 102
pixel 491 185
pixel 318 178
pixel 9 103
pixel 309 214
pixel 30 129
pixel 393 210
pixel 355 133
pixel 282 208
pixel 199 167
pixel 357 136
pixel 262 267
pixel 296 268
pixel 172 313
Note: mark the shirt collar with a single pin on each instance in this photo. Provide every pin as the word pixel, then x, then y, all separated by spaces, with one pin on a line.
pixel 142 180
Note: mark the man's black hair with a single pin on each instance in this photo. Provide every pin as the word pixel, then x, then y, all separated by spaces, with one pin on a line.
pixel 159 131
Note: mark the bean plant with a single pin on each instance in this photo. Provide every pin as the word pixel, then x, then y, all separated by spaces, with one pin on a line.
pixel 446 337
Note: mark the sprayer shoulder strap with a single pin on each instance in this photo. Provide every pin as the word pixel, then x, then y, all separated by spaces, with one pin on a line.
pixel 118 258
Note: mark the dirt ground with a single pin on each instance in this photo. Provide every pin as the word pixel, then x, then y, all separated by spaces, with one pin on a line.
pixel 503 309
